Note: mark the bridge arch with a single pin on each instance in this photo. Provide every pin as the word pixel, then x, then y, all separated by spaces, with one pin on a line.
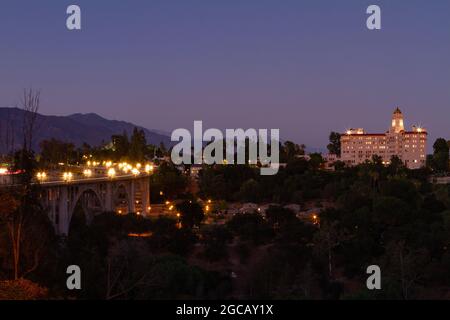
pixel 89 200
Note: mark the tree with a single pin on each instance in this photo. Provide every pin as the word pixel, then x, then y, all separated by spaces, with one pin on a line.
pixel 395 165
pixel 277 215
pixel 169 180
pixel 329 237
pixel 215 241
pixel 30 105
pixel 28 228
pixel 334 147
pixel 316 161
pixel 121 145
pixel 440 155
pixel 54 151
pixel 290 150
pixel 138 145
pixel 191 213
pixel 8 206
pixel 250 191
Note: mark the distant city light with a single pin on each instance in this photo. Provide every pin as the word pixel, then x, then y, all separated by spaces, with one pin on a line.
pixel 3 171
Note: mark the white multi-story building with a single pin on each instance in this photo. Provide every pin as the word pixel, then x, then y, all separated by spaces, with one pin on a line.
pixel 358 146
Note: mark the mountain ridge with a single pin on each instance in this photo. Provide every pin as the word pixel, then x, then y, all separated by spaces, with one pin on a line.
pixel 77 128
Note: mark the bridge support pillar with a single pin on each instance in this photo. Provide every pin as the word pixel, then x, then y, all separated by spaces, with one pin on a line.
pixel 145 187
pixel 109 198
pixel 63 212
pixel 132 196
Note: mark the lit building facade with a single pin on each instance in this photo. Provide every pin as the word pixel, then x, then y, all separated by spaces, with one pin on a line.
pixel 357 146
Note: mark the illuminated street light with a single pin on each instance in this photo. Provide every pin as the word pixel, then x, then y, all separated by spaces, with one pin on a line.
pixel 135 171
pixel 111 173
pixel 148 168
pixel 41 176
pixel 87 172
pixel 67 176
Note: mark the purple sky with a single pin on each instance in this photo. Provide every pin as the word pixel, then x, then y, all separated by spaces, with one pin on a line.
pixel 306 67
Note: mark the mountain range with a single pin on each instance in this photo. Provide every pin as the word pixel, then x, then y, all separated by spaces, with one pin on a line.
pixel 76 128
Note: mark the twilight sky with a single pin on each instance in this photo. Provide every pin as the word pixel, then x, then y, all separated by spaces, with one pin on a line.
pixel 305 67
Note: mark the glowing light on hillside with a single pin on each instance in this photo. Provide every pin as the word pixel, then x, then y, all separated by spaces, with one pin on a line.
pixel 108 164
pixel 135 171
pixel 3 171
pixel 138 165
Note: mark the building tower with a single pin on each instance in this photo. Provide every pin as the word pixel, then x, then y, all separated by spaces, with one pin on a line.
pixel 397 121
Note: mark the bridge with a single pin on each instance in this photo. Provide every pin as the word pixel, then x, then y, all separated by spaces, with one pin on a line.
pixel 120 189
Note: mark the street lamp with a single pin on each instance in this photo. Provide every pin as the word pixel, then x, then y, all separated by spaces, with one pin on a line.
pixel 41 176
pixel 148 168
pixel 111 173
pixel 67 176
pixel 87 172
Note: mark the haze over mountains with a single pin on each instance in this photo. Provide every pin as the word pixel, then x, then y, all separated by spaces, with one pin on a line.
pixel 76 128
